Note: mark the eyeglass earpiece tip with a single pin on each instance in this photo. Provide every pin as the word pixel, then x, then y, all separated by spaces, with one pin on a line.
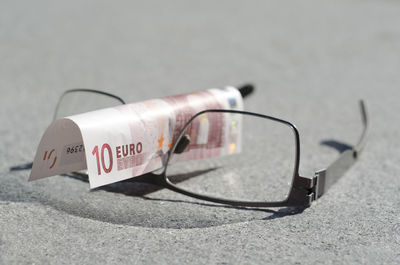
pixel 246 90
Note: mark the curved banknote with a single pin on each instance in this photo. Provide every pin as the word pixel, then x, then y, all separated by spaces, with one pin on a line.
pixel 129 140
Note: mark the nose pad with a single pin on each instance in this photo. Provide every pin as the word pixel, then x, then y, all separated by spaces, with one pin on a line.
pixel 182 144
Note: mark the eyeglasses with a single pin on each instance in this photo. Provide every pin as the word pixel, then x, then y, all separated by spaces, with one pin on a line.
pixel 237 158
pixel 267 176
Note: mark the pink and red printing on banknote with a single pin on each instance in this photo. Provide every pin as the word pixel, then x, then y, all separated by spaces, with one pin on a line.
pixel 133 139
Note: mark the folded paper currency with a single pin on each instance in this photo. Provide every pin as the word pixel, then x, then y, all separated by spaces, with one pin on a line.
pixel 122 142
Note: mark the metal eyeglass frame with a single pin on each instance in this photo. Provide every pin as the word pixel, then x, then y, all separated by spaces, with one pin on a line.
pixel 303 190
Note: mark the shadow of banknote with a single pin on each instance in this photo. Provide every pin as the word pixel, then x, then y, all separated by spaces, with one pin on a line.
pixel 139 186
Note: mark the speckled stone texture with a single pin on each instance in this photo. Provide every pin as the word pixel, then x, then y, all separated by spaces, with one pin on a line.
pixel 311 62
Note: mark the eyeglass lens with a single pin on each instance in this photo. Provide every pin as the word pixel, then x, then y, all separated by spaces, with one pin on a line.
pixel 234 156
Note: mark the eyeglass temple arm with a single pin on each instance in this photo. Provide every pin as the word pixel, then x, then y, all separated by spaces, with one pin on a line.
pixel 245 90
pixel 327 177
pixel 84 90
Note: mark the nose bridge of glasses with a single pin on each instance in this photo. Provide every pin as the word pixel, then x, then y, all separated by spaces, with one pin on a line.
pixel 183 143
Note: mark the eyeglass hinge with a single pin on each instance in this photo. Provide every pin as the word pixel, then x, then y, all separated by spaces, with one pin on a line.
pixel 319 183
pixel 312 188
pixel 302 191
pixel 303 182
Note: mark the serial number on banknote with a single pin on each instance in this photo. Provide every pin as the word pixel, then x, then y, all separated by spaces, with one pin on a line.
pixel 75 149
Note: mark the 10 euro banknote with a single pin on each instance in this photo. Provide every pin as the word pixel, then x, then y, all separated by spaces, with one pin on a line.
pixel 129 140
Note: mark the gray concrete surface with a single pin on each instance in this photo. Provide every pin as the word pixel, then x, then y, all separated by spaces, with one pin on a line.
pixel 311 62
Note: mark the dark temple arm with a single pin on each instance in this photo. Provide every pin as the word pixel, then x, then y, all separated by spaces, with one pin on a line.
pixel 327 177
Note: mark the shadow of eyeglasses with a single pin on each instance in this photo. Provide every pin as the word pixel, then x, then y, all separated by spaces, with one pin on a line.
pixel 341 147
